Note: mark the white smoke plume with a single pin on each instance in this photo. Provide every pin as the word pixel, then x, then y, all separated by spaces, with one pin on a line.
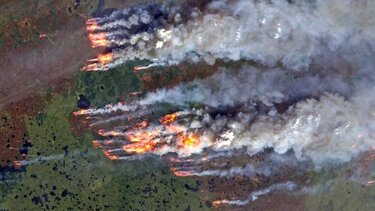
pixel 269 166
pixel 328 116
pixel 293 34
pixel 330 129
pixel 287 186
pixel 323 117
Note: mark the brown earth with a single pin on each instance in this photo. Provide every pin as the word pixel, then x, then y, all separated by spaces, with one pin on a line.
pixel 29 63
pixel 13 130
pixel 42 43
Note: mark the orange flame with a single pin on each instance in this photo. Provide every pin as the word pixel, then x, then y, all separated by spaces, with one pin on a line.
pixel 180 173
pixel 98 40
pixel 110 133
pixel 142 136
pixel 96 144
pixel 141 125
pixel 169 118
pixel 80 112
pixel 105 58
pixel 90 67
pixel 189 140
pixel 217 203
pixel 110 156
pixel 43 35
pixel 91 25
pixel 138 148
pixel 139 68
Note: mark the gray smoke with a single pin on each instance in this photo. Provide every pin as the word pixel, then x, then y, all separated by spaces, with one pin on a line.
pixel 269 32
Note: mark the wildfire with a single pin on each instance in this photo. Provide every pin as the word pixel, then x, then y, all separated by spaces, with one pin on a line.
pixel 110 156
pixel 110 133
pixel 138 148
pixel 98 40
pixel 98 63
pixel 141 125
pixel 96 144
pixel 169 118
pixel 19 163
pixel 142 136
pixel 90 67
pixel 180 173
pixel 43 35
pixel 218 203
pixel 91 25
pixel 105 58
pixel 189 140
pixel 138 68
pixel 80 112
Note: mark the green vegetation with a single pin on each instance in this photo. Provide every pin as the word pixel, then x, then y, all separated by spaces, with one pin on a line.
pixel 342 195
pixel 105 87
pixel 66 173
pixel 335 191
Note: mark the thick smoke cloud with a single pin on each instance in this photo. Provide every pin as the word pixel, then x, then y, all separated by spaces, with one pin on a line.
pixel 328 128
pixel 309 92
pixel 270 32
pixel 321 116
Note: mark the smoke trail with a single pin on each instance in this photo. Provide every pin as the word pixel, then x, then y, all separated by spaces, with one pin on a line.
pixel 271 165
pixel 324 116
pixel 260 108
pixel 270 32
pixel 287 186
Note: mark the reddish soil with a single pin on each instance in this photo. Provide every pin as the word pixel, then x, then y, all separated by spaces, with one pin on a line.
pixel 29 63
pixel 13 130
pixel 171 76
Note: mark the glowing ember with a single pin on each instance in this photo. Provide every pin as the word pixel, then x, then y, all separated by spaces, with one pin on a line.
pixel 139 147
pixel 80 112
pixel 105 58
pixel 110 133
pixel 142 136
pixel 98 40
pixel 141 125
pixel 180 173
pixel 188 140
pixel 18 164
pixel 96 144
pixel 91 25
pixel 169 118
pixel 217 203
pixel 135 93
pixel 138 68
pixel 43 35
pixel 110 156
pixel 90 67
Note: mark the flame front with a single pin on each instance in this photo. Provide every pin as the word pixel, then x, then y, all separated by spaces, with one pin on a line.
pixel 98 40
pixel 91 25
pixel 105 58
pixel 141 147
pixel 187 141
pixel 144 137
